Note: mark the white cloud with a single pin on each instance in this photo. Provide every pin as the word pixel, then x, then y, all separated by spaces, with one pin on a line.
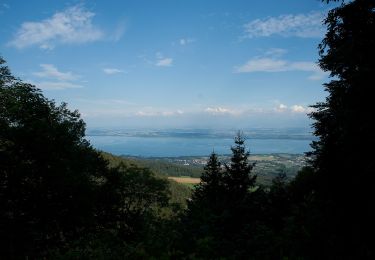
pixel 46 46
pixel 146 113
pixel 73 25
pixel 279 65
pixel 166 62
pixel 107 108
pixel 111 71
pixel 168 113
pixel 281 108
pixel 263 65
pixel 221 111
pixel 50 71
pixel 47 85
pixel 300 25
pixel 299 109
pixel 55 79
pixel 162 61
pixel 275 52
pixel 155 113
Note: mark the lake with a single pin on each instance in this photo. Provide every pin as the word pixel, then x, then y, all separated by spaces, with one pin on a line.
pixel 179 146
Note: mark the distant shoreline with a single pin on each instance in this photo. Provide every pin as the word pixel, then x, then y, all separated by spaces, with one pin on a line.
pixel 312 138
pixel 204 156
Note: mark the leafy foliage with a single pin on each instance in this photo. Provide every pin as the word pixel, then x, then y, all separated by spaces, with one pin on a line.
pixel 54 186
pixel 47 170
pixel 178 193
pixel 344 127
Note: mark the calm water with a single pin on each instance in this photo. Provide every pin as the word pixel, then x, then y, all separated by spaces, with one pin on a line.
pixel 174 146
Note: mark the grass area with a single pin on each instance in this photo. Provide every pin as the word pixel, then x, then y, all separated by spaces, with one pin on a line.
pixel 186 180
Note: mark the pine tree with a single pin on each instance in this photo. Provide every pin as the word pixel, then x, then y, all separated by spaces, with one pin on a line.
pixel 220 207
pixel 211 180
pixel 212 171
pixel 208 194
pixel 237 177
pixel 201 222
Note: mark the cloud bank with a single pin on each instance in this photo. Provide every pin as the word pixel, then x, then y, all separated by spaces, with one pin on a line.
pixel 271 62
pixel 50 71
pixel 73 25
pixel 54 79
pixel 300 25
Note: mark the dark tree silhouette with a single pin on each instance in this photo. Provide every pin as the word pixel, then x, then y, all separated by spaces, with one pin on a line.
pixel 237 176
pixel 201 224
pixel 211 185
pixel 47 170
pixel 57 194
pixel 217 223
pixel 343 157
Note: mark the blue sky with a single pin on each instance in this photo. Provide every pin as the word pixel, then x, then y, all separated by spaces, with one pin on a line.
pixel 169 63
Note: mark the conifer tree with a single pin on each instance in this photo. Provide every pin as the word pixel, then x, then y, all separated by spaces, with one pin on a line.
pixel 220 207
pixel 211 180
pixel 201 222
pixel 237 177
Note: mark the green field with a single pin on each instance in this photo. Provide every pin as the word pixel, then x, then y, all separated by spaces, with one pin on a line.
pixel 267 166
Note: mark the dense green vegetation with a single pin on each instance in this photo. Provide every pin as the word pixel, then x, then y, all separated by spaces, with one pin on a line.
pixel 267 166
pixel 345 130
pixel 178 193
pixel 59 197
pixel 164 167
pixel 62 199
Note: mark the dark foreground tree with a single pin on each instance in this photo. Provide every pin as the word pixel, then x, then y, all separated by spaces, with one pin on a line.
pixel 55 189
pixel 238 179
pixel 200 224
pixel 47 171
pixel 127 223
pixel 211 185
pixel 220 219
pixel 343 158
